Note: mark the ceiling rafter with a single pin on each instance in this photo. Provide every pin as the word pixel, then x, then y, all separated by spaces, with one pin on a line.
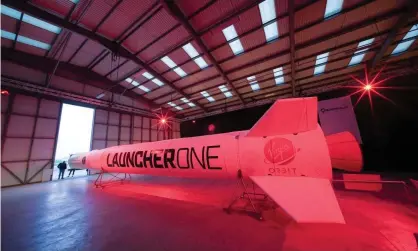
pixel 111 45
pixel 68 17
pixel 303 46
pixel 94 30
pixel 207 29
pixel 174 10
pixel 300 29
pixel 361 71
pixel 69 71
pixel 18 25
pixel 411 11
pixel 284 92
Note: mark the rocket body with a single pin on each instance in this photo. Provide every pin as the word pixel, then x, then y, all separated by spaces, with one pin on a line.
pixel 285 150
pixel 221 155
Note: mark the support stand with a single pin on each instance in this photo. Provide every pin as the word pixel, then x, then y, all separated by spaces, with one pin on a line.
pixel 115 179
pixel 248 196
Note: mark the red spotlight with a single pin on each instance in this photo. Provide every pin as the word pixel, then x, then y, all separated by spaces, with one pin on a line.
pixel 163 121
pixel 211 128
pixel 367 87
pixel 5 92
pixel 370 87
pixel 194 121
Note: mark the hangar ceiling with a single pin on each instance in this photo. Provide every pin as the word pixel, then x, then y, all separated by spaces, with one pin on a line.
pixel 204 57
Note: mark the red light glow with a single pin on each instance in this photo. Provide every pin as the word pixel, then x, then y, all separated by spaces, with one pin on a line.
pixel 163 121
pixel 4 92
pixel 211 128
pixel 370 87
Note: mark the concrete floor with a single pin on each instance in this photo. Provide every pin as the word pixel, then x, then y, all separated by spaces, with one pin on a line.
pixel 186 215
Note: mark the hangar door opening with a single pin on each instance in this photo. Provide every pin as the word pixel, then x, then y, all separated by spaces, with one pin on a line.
pixel 74 136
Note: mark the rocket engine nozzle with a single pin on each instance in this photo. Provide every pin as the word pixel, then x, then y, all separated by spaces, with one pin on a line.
pixel 345 152
pixel 77 161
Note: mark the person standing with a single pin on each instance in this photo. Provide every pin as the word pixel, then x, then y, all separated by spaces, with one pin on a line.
pixel 62 166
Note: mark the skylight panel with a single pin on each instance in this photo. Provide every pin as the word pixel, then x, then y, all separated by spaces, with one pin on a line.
pixel 360 53
pixel 8 35
pixel 191 51
pixel 147 75
pixel 365 43
pixel 333 7
pixel 185 100
pixel 145 89
pixel 403 46
pixel 207 96
pixel 135 83
pixel 225 91
pixel 320 63
pixel 29 19
pixel 25 40
pixel 132 82
pixel 41 24
pixel 151 77
pixel 230 33
pixel 10 12
pixel 157 81
pixel 33 42
pixel 170 63
pixel 268 13
pixel 174 105
pixel 253 83
pixel 180 72
pixel 278 75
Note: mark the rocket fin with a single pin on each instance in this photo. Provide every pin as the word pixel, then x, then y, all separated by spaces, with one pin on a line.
pixel 305 199
pixel 287 116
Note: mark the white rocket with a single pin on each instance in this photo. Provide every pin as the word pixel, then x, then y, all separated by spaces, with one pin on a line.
pixel 285 153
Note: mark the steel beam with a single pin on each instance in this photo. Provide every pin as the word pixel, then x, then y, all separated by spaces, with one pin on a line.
pixel 11 173
pixel 57 128
pixel 68 17
pixel 218 108
pixel 174 10
pixel 412 8
pixel 310 43
pixel 321 84
pixel 18 25
pixel 5 126
pixel 69 71
pixel 32 138
pixel 39 171
pixel 111 45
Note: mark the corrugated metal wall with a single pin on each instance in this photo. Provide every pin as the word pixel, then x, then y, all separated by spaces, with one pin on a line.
pixel 112 129
pixel 29 132
pixel 30 129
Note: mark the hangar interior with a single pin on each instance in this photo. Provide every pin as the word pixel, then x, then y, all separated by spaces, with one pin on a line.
pixel 135 61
